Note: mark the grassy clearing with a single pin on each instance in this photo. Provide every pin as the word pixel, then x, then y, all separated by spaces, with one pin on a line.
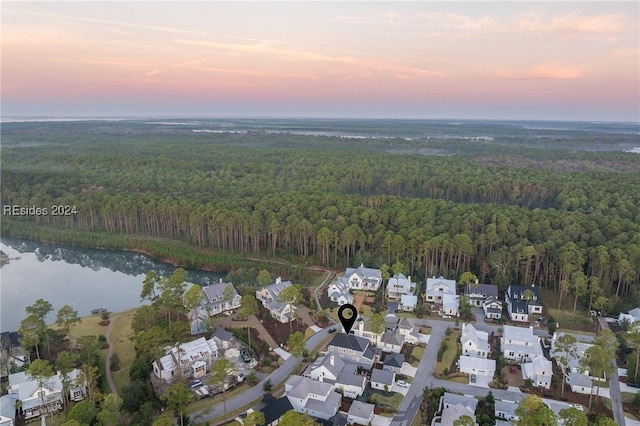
pixel 463 380
pixel 417 353
pixel 89 326
pixel 123 346
pixel 564 315
pixel 392 400
pixel 450 353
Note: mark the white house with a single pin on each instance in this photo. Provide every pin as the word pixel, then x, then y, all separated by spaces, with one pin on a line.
pixel 580 383
pixel 360 413
pixel 338 291
pixel 382 378
pixel 505 410
pixel 36 400
pixel 539 370
pixel 437 288
pixel 362 278
pixel 450 399
pixel 216 299
pixel 408 302
pixel 398 285
pixel 478 366
pixel 454 412
pixel 391 341
pixel 191 359
pixel 474 343
pixel 270 298
pixel 352 349
pixel 523 301
pixel 409 331
pixel 519 343
pixel 342 376
pixel 393 362
pixel 312 397
pixel 363 329
pixel 450 304
pixel 492 308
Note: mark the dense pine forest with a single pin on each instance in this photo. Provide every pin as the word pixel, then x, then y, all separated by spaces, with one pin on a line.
pixel 558 209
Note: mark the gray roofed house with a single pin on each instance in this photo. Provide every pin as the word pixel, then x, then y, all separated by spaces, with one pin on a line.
pixel 213 303
pixel 580 383
pixel 382 378
pixel 270 298
pixel 450 399
pixel 398 285
pixel 454 412
pixel 437 288
pixel 391 341
pixel 474 342
pixel 539 371
pixel 352 349
pixel 222 337
pixel 393 362
pixel 492 308
pixel 478 293
pixel 360 413
pixel 311 397
pixel 362 278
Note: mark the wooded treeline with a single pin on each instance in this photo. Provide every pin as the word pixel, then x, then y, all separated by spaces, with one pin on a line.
pixel 517 218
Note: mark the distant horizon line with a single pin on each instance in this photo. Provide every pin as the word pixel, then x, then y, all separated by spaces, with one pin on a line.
pixel 18 118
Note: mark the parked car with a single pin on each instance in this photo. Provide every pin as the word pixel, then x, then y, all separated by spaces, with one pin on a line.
pixel 246 356
pixel 513 369
pixel 633 384
pixel 402 383
pixel 196 384
pixel 473 378
pixel 332 330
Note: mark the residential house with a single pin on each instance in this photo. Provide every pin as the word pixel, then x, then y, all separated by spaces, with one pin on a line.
pixel 224 339
pixel 271 407
pixel 399 285
pixel 450 304
pixel 450 399
pixel 409 331
pixel 342 376
pixel 7 410
pixel 35 400
pixel 478 366
pixel 580 383
pixel 523 301
pixel 391 341
pixel 393 362
pixel 312 397
pixel 519 343
pixel 477 294
pixel 270 298
pixel 505 410
pixel 539 370
pixel 360 413
pixel 362 278
pixel 437 288
pixel 352 349
pixel 454 412
pixel 408 302
pixel 382 379
pixel 219 298
pixel 492 308
pixel 11 353
pixel 574 359
pixel 474 343
pixel 338 291
pixel 189 360
pixel 363 329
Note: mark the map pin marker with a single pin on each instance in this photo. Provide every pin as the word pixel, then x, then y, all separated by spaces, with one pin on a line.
pixel 347 314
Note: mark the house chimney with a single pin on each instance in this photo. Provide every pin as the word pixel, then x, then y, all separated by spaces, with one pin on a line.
pixel 220 280
pixel 531 328
pixel 331 360
pixel 278 280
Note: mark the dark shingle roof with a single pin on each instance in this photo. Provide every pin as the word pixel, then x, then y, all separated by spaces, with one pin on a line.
pixel 394 360
pixel 273 408
pixel 350 341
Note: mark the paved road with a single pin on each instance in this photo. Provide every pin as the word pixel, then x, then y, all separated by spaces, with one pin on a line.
pixel 616 399
pixel 255 394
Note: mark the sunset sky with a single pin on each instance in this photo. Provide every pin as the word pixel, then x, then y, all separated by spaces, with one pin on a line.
pixel 500 60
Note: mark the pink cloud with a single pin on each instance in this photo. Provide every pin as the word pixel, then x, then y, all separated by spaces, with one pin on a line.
pixel 542 72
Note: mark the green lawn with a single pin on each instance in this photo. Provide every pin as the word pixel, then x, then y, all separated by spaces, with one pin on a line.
pixel 417 353
pixel 450 353
pixel 392 400
pixel 564 316
pixel 463 380
pixel 417 420
pixel 123 346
